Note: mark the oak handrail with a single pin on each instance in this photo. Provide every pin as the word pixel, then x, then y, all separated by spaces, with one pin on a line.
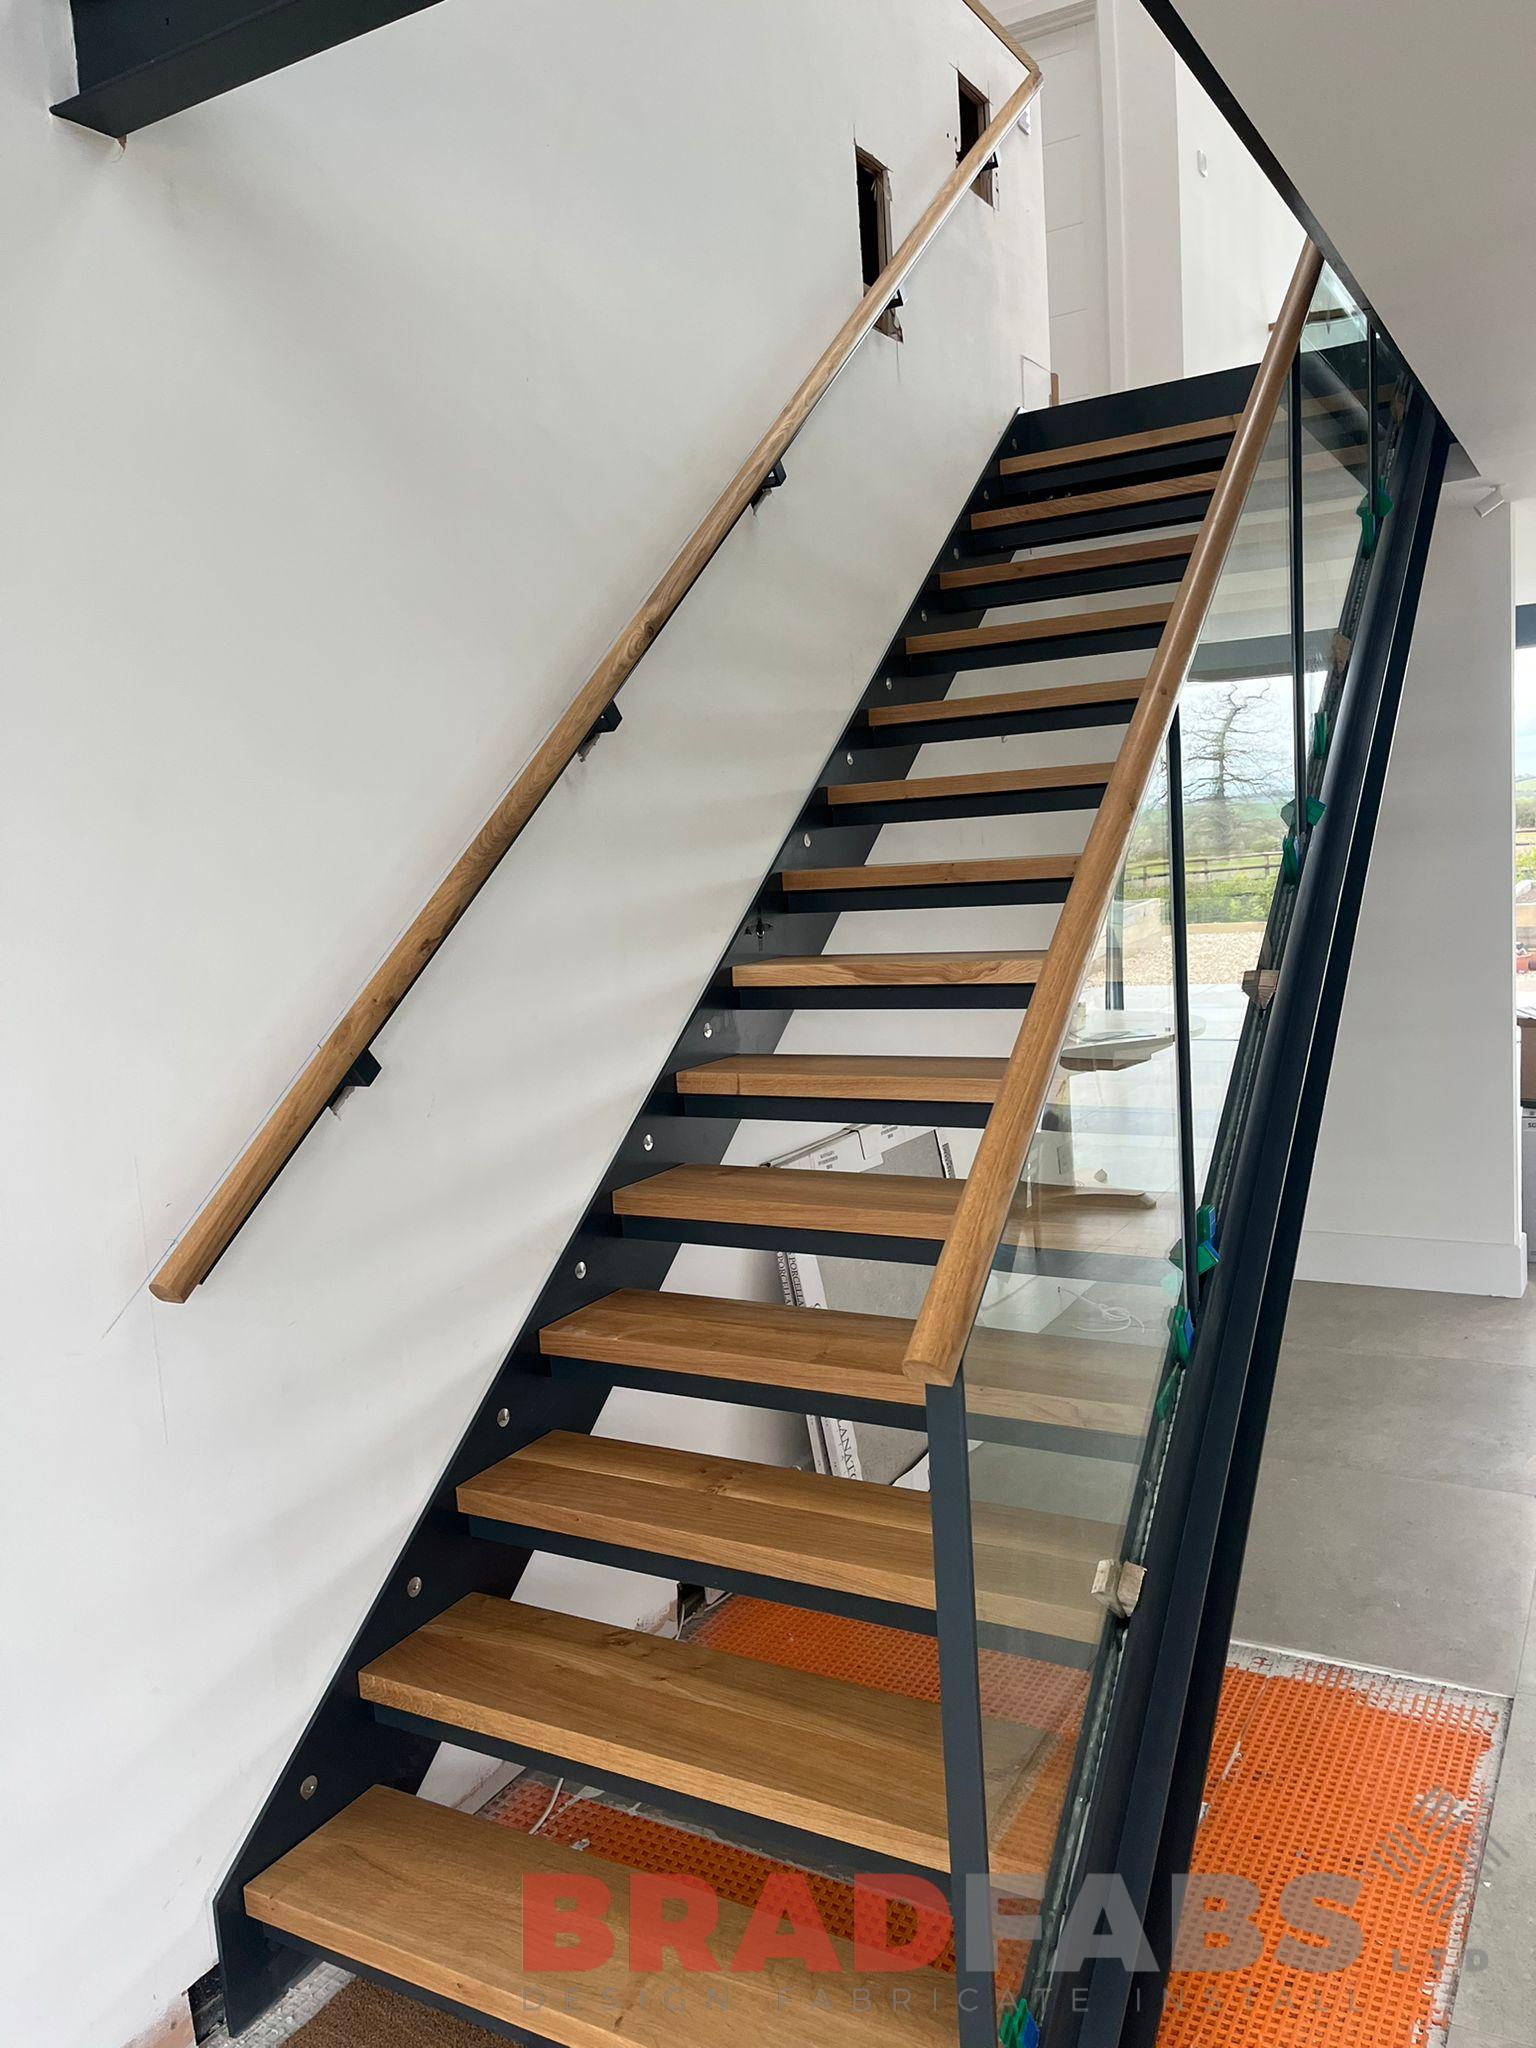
pixel 1011 43
pixel 234 1197
pixel 949 1309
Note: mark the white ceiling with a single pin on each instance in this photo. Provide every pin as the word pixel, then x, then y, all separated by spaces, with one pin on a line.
pixel 1408 127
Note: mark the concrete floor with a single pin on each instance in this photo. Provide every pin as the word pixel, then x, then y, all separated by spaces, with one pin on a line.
pixel 1395 1525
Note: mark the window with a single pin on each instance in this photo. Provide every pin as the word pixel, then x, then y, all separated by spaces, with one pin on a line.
pixel 975 113
pixel 875 230
pixel 1525 811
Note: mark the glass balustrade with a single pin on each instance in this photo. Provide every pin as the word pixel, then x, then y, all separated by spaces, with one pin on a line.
pixel 1049 1452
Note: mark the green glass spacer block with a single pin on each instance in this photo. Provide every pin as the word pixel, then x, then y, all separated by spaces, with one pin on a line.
pixel 1315 809
pixel 1205 1221
pixel 1207 1258
pixel 1369 527
pixel 1016 2026
pixel 1290 859
pixel 1288 812
pixel 1319 734
pixel 1181 1330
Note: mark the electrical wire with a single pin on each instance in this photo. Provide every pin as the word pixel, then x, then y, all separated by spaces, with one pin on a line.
pixel 553 1802
pixel 554 1797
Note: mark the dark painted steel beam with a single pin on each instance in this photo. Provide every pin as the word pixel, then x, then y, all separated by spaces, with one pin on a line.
pixel 139 60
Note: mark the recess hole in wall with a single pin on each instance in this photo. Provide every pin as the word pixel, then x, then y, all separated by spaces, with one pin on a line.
pixel 875 229
pixel 975 113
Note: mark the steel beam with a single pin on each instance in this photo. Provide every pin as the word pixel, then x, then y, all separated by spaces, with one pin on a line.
pixel 139 60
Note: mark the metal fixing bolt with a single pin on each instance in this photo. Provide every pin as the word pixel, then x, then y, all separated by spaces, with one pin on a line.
pixel 503 1417
pixel 648 1141
pixel 309 1786
pixel 581 1269
pixel 412 1587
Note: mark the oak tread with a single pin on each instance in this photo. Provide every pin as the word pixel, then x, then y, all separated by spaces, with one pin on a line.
pixel 1119 444
pixel 889 970
pixel 1034 1571
pixel 870 1076
pixel 1007 703
pixel 434 1898
pixel 860 1765
pixel 1083 502
pixel 1069 562
pixel 898 1205
pixel 1065 1382
pixel 998 782
pixel 933 874
pixel 1026 632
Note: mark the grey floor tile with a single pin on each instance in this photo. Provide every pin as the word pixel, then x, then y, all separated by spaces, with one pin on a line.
pixel 1496 2002
pixel 1415 1575
pixel 1458 1419
pixel 1395 1524
pixel 1399 1320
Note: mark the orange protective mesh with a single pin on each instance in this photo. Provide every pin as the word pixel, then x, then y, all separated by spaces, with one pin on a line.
pixel 1314 1768
pixel 1387 1781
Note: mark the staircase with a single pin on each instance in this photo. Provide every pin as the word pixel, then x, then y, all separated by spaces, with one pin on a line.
pixel 922 881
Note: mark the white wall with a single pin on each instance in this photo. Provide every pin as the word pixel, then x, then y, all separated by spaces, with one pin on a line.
pixel 1071 116
pixel 1428 210
pixel 1525 551
pixel 1141 183
pixel 1238 240
pixel 1194 261
pixel 343 421
pixel 1416 1182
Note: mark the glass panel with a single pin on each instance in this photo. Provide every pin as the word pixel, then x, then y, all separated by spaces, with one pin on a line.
pixel 1335 454
pixel 1338 547
pixel 1391 403
pixel 1063 1370
pixel 1239 776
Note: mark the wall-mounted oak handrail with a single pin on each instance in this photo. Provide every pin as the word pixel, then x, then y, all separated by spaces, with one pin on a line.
pixel 949 1308
pixel 247 1180
pixel 1013 45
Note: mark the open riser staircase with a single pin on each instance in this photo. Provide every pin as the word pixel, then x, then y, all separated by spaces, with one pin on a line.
pixel 878 980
